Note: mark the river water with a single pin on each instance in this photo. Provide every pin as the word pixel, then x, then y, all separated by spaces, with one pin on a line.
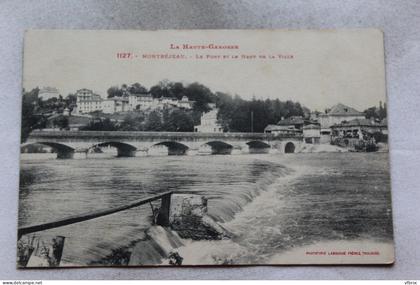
pixel 271 203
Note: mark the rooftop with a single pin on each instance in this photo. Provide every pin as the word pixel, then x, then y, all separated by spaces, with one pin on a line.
pixel 361 122
pixel 116 99
pixel 278 128
pixel 343 110
pixel 48 89
pixel 312 127
pixel 293 120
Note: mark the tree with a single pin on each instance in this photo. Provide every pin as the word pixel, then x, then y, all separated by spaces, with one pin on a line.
pixel 177 90
pixel 162 89
pixel 202 96
pixel 62 122
pixel 133 122
pixel 114 91
pixel 153 122
pixel 156 91
pixel 180 121
pixel 30 120
pixel 382 112
pixel 70 101
pixel 375 112
pixel 137 88
pixel 101 125
pixel 235 113
pixel 371 112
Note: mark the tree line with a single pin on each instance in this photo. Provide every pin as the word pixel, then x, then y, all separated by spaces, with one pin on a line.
pixel 378 113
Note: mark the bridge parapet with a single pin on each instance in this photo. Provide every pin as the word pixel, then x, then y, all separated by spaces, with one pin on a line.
pixel 150 135
pixel 68 143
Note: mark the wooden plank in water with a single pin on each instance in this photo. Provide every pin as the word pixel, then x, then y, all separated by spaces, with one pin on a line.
pixel 89 215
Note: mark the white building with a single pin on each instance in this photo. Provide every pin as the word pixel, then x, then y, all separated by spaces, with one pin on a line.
pixel 141 102
pixel 48 92
pixel 337 114
pixel 147 102
pixel 115 105
pixel 87 101
pixel 208 123
pixel 185 103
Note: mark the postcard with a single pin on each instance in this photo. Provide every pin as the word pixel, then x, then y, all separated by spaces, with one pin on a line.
pixel 204 147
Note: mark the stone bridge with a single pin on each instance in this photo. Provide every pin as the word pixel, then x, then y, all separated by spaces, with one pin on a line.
pixel 67 144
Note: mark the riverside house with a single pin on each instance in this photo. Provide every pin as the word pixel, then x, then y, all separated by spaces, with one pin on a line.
pixel 296 125
pixel 349 133
pixel 335 115
pixel 288 126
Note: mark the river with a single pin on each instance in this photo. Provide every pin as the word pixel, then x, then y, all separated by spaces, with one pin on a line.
pixel 272 203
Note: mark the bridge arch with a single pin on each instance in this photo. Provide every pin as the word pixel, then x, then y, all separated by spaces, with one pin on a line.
pixel 289 147
pixel 62 150
pixel 173 147
pixel 217 147
pixel 258 147
pixel 123 149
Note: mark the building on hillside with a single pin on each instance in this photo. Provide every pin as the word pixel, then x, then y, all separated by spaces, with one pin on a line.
pixel 46 93
pixel 166 102
pixel 208 123
pixel 141 102
pixel 115 105
pixel 337 114
pixel 146 101
pixel 87 101
pixel 185 103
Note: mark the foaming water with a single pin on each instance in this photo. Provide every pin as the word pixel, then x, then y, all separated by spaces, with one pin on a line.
pixel 270 203
pixel 329 197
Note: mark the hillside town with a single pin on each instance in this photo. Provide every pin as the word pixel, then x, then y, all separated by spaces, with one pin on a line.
pixel 88 102
pixel 338 125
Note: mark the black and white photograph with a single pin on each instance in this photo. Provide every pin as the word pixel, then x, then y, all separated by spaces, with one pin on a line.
pixel 204 147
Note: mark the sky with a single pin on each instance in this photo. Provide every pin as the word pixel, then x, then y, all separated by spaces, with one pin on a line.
pixel 316 68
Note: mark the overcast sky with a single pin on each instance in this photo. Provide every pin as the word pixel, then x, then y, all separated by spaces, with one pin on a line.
pixel 327 67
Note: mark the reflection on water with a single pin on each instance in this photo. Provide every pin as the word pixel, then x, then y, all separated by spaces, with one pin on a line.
pixel 301 198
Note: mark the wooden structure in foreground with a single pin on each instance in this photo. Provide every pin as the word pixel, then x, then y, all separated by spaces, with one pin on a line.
pixel 162 218
pixel 50 255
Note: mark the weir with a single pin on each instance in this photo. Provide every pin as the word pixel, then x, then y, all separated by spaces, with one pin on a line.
pixel 185 213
